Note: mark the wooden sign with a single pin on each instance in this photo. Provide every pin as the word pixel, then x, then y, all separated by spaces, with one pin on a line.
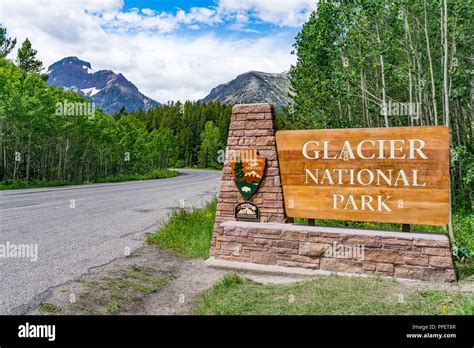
pixel 398 175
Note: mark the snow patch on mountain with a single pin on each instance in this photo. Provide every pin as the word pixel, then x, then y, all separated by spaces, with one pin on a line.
pixel 90 91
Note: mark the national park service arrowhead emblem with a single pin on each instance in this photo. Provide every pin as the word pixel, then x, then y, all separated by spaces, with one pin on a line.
pixel 247 170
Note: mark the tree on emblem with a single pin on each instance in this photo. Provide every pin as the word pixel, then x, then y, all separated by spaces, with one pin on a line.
pixel 247 173
pixel 239 169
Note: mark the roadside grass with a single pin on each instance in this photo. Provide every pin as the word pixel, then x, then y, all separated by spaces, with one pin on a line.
pixel 118 293
pixel 188 233
pixel 48 308
pixel 153 174
pixel 329 295
pixel 464 235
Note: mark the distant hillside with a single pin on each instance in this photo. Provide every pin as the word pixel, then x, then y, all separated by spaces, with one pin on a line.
pixel 253 87
pixel 108 90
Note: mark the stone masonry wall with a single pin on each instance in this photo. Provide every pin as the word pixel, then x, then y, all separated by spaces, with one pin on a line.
pixel 418 256
pixel 251 126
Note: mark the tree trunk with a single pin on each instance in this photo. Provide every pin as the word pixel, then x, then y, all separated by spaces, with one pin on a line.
pixel 28 158
pixel 384 92
pixel 446 99
pixel 430 61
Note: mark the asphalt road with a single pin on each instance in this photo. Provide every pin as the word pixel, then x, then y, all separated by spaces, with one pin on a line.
pixel 107 222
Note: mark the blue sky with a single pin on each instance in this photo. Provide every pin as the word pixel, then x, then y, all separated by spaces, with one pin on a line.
pixel 167 5
pixel 253 28
pixel 170 49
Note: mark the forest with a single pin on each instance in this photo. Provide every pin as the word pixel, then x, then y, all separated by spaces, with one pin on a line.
pixel 49 134
pixel 387 64
pixel 199 129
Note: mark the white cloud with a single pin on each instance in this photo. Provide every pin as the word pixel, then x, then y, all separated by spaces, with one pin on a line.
pixel 163 22
pixel 290 13
pixel 148 12
pixel 141 44
pixel 189 68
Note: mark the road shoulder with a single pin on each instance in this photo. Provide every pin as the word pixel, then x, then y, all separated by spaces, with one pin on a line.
pixel 149 281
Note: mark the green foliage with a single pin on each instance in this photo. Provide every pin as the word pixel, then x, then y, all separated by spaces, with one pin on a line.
pixel 26 58
pixel 464 229
pixel 200 129
pixel 41 146
pixel 49 135
pixel 210 145
pixel 187 232
pixel 462 171
pixel 463 247
pixel 6 44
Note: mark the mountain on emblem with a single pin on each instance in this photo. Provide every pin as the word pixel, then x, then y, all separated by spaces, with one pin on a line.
pixel 247 171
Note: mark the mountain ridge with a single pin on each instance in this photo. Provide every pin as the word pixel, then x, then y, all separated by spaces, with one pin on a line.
pixel 111 91
pixel 106 89
pixel 253 87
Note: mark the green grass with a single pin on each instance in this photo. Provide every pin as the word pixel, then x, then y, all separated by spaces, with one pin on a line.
pixel 464 236
pixel 153 174
pixel 329 295
pixel 187 232
pixel 48 308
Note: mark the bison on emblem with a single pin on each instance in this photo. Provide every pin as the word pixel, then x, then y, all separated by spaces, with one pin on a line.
pixel 247 171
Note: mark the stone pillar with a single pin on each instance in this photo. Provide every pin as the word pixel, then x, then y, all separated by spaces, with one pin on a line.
pixel 251 126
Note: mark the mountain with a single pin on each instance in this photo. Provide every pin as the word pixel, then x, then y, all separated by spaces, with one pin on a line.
pixel 253 87
pixel 106 89
pixel 253 173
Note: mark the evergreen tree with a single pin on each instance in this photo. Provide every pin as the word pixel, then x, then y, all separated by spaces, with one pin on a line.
pixel 239 169
pixel 6 44
pixel 26 58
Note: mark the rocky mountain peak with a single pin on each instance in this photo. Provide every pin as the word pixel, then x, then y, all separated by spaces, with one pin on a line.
pixel 108 90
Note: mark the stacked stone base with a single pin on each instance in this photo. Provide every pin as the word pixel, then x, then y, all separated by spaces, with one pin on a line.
pixel 418 256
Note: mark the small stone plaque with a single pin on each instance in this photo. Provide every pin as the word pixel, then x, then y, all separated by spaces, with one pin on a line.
pixel 247 211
